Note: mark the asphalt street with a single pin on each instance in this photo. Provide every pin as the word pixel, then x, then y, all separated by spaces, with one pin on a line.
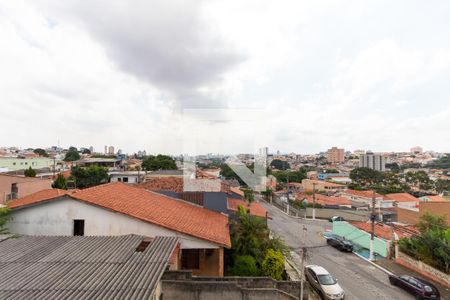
pixel 359 279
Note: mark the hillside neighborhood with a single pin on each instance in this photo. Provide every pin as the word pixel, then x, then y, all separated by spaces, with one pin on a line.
pixel 212 227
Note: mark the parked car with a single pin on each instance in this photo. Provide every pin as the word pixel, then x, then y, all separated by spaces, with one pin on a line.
pixel 336 218
pixel 339 243
pixel 418 287
pixel 325 284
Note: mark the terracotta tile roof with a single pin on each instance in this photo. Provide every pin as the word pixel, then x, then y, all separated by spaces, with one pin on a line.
pixel 402 197
pixel 385 231
pixel 237 191
pixel 382 231
pixel 363 194
pixel 177 184
pixel 174 184
pixel 326 200
pixel 38 197
pixel 435 198
pixel 150 207
pixel 256 209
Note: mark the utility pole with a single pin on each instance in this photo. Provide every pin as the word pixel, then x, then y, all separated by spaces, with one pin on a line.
pixel 302 261
pixel 314 201
pixel 372 234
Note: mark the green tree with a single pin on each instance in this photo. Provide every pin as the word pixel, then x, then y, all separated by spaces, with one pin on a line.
pixel 331 171
pixel 429 222
pixel 30 172
pixel 88 177
pixel 273 264
pixel 441 163
pixel 268 194
pixel 159 162
pixel 72 154
pixel 245 265
pixel 86 151
pixel 442 185
pixel 60 182
pixel 280 164
pixel 366 177
pixel 40 152
pixel 249 196
pixel 292 176
pixel 432 245
pixel 228 173
pixel 4 218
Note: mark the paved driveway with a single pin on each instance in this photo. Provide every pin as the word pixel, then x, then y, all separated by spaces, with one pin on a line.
pixel 358 278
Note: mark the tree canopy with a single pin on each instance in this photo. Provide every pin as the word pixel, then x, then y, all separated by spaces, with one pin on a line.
pixel 292 176
pixel 441 163
pixel 60 182
pixel 4 217
pixel 41 152
pixel 90 176
pixel 280 164
pixel 432 245
pixel 159 162
pixel 72 154
pixel 30 172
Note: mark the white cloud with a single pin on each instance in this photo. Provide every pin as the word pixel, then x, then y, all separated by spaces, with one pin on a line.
pixel 352 74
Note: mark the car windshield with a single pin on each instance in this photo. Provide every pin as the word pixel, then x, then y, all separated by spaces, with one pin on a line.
pixel 327 279
pixel 428 289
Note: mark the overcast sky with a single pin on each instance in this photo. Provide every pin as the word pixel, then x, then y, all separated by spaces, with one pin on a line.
pixel 296 76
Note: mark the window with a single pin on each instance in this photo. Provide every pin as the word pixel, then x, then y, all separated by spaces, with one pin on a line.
pixel 125 179
pixel 78 227
pixel 190 259
pixel 14 163
pixel 119 179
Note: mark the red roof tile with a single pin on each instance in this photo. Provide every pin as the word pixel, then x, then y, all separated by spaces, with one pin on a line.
pixel 382 231
pixel 402 197
pixel 38 197
pixel 155 208
pixel 363 194
pixel 256 209
pixel 326 200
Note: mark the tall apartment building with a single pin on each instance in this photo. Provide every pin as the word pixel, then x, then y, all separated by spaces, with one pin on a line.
pixel 373 161
pixel 335 155
pixel 111 150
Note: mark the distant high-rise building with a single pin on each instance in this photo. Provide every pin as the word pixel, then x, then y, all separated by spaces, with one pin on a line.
pixel 91 149
pixel 106 149
pixel 373 161
pixel 416 150
pixel 335 155
pixel 111 150
pixel 264 151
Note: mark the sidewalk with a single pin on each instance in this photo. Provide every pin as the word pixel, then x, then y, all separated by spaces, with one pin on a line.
pixel 399 270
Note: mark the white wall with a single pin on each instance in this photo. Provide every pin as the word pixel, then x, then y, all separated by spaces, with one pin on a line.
pixel 131 178
pixel 56 218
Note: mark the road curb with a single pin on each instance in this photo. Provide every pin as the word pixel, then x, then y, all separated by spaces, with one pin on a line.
pixel 374 264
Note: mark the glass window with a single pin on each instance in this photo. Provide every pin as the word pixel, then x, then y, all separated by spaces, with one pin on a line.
pixel 327 279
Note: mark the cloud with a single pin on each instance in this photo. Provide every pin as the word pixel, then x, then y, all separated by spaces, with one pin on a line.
pixel 168 44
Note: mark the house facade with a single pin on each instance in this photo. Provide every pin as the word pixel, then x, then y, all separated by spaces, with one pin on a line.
pixel 119 209
pixel 13 187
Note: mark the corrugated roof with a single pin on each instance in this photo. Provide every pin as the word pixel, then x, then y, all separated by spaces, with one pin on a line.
pixel 82 267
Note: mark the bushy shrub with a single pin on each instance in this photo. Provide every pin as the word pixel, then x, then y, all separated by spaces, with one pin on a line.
pixel 273 264
pixel 245 265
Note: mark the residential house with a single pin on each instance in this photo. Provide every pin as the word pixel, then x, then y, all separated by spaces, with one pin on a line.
pixel 118 209
pixel 321 186
pixel 403 199
pixel 412 215
pixel 8 164
pixel 326 201
pixel 364 199
pixel 13 187
pixel 119 267
pixel 110 163
pixel 130 177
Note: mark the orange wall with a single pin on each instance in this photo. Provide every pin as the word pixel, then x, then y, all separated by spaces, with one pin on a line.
pixel 412 217
pixel 26 185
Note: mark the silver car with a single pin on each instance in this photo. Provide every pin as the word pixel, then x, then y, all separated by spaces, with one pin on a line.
pixel 325 284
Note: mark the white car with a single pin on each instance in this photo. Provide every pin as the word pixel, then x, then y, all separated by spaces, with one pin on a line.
pixel 325 284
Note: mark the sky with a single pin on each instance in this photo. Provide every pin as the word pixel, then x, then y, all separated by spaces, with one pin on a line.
pixel 225 76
